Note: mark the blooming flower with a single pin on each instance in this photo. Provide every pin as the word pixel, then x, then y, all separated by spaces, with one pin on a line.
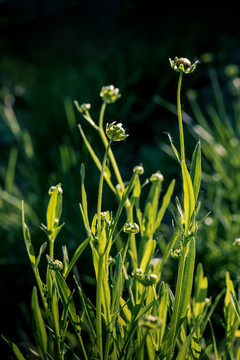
pixel 183 65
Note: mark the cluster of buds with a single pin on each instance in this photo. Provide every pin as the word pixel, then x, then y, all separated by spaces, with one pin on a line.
pixel 131 228
pixel 115 131
pixel 145 280
pixel 110 94
pixel 183 65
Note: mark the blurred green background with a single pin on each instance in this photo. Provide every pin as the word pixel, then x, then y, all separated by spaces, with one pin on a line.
pixel 53 52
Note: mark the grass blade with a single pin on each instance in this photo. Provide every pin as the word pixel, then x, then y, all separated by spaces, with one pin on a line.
pixel 76 255
pixel 189 202
pixel 39 329
pixel 235 304
pixel 14 348
pixel 196 170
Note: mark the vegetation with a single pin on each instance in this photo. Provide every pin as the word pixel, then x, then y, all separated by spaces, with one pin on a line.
pixel 134 313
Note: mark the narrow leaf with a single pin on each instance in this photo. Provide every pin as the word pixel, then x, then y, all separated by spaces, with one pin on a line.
pixel 165 203
pixel 196 170
pixel 174 148
pixel 14 348
pixel 76 255
pixel 235 304
pixel 189 202
pixel 27 239
pixel 39 329
pixel 187 283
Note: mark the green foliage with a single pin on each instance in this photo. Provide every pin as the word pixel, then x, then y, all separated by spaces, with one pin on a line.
pixel 134 313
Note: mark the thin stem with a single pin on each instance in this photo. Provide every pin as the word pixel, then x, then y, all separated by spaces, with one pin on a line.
pixel 99 305
pixel 51 248
pixel 180 116
pixel 105 142
pixel 128 206
pixel 100 188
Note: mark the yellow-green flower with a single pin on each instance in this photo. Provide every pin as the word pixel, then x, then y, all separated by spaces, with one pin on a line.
pixel 183 65
pixel 109 94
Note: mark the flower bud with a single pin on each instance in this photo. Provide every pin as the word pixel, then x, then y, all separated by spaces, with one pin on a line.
pixel 237 242
pixel 84 108
pixel 138 169
pixel 115 131
pixel 109 94
pixel 56 265
pixel 156 177
pixel 52 188
pixel 131 228
pixel 183 65
pixel 176 253
pixel 137 274
pixel 149 280
pixel 151 322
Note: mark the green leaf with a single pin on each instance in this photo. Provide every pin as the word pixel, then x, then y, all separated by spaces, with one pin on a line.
pixel 235 304
pixel 14 348
pixel 165 203
pixel 65 260
pixel 39 329
pixel 76 255
pixel 187 282
pixel 189 202
pixel 174 148
pixel 230 316
pixel 148 253
pixel 117 288
pixel 123 201
pixel 88 307
pixel 200 291
pixel 196 170
pixel 107 173
pixel 54 209
pixel 67 300
pixel 84 206
pixel 41 251
pixel 27 239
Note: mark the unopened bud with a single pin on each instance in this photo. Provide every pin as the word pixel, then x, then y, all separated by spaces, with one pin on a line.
pixel 149 280
pixel 157 177
pixel 115 131
pixel 138 169
pixel 56 265
pixel 131 228
pixel 137 274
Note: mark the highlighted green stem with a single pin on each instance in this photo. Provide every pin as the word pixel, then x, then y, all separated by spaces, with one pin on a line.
pixel 180 124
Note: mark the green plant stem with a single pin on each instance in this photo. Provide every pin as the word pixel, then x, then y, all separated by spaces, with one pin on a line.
pixel 100 189
pixel 105 142
pixel 128 206
pixel 51 248
pixel 99 305
pixel 180 124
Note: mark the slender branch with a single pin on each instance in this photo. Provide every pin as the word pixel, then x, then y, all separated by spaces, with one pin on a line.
pixel 180 123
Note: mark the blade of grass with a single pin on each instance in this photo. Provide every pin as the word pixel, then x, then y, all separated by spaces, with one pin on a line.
pixel 39 329
pixel 14 348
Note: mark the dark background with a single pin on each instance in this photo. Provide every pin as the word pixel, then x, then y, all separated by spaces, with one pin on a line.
pixel 52 52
